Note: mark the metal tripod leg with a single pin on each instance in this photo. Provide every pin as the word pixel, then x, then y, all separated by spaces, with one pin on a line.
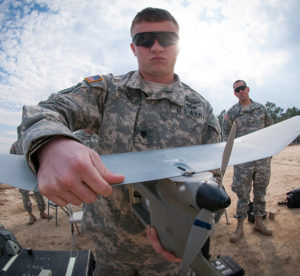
pixel 227 222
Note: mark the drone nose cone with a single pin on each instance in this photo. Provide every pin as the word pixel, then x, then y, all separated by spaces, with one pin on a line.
pixel 212 197
pixel 225 201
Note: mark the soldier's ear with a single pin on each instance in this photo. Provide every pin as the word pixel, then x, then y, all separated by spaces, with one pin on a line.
pixel 132 46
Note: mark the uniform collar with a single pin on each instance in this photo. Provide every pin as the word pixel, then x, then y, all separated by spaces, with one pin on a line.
pixel 250 105
pixel 173 92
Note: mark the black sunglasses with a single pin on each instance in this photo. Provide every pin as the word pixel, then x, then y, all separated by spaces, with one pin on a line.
pixel 147 39
pixel 237 90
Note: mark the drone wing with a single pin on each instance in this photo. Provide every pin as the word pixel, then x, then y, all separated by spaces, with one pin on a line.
pixel 15 172
pixel 165 163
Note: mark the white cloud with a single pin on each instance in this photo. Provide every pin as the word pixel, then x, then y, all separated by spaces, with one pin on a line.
pixel 10 118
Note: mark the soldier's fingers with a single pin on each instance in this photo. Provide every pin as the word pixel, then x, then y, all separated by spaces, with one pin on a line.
pixel 153 239
pixel 98 177
pixel 171 257
pixel 91 181
pixel 58 200
pixel 107 175
pixel 84 192
pixel 68 189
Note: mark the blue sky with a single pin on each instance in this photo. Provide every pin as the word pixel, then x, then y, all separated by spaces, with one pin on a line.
pixel 46 46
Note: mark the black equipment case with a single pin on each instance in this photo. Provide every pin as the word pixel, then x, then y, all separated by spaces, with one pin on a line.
pixel 56 263
pixel 227 266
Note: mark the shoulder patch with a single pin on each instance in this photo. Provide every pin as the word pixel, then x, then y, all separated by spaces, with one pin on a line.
pixel 93 79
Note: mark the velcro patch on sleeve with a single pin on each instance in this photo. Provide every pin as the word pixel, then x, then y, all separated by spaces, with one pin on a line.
pixel 93 78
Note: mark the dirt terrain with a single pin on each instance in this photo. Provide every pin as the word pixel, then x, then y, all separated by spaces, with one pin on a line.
pixel 259 255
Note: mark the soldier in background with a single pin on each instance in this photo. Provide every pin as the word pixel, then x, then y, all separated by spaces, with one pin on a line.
pixel 249 116
pixel 25 195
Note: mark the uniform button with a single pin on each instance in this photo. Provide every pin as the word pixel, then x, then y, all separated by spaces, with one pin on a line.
pixel 144 133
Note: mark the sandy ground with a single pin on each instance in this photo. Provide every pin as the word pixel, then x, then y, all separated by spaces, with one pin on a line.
pixel 257 254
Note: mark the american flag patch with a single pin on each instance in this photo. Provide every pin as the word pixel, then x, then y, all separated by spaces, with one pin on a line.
pixel 94 78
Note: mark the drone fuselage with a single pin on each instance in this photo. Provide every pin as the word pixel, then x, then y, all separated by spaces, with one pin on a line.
pixel 171 206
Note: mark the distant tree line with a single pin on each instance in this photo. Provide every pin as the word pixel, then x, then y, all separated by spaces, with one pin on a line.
pixel 277 114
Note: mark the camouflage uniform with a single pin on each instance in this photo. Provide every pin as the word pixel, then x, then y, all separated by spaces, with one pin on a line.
pixel 27 203
pixel 249 120
pixel 128 116
pixel 25 194
pixel 88 139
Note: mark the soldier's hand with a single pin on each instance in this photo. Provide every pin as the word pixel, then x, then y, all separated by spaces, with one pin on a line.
pixel 154 240
pixel 70 172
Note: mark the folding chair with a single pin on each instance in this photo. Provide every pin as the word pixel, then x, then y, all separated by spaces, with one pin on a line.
pixel 74 218
pixel 54 206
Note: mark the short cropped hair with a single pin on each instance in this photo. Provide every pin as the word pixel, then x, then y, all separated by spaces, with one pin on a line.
pixel 239 81
pixel 152 15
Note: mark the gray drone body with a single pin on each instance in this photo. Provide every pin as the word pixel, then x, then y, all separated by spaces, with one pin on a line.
pixel 172 205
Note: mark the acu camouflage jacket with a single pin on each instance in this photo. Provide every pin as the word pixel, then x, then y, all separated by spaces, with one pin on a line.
pixel 247 121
